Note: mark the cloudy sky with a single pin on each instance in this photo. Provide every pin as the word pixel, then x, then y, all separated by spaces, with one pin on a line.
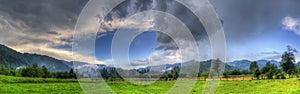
pixel 254 29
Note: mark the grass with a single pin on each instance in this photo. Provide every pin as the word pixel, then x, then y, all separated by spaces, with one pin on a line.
pixel 21 85
pixel 278 86
pixel 11 79
pixel 18 85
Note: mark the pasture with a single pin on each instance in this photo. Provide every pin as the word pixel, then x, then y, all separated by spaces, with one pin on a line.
pixel 13 85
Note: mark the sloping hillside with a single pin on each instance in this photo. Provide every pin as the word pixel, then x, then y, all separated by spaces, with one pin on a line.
pixel 13 59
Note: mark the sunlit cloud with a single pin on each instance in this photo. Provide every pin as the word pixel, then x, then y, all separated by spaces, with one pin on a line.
pixel 291 24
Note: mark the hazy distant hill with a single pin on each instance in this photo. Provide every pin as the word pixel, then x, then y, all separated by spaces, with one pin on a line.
pixel 203 66
pixel 245 64
pixel 262 63
pixel 14 59
pixel 240 64
pixel 298 64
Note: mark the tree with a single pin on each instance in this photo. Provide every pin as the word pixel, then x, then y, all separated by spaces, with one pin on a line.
pixel 257 73
pixel 175 72
pixel 253 66
pixel 255 69
pixel 45 72
pixel 288 61
pixel 35 71
pixel 104 73
pixel 25 72
pixel 266 68
pixel 3 70
pixel 31 71
pixel 226 74
pixel 217 67
pixel 72 74
pixel 235 72
pixel 270 70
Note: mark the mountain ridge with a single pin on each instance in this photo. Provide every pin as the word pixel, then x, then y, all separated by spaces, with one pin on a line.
pixel 14 59
pixel 245 64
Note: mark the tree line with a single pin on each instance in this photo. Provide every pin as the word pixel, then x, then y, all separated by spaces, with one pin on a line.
pixel 35 71
pixel 287 66
pixel 269 71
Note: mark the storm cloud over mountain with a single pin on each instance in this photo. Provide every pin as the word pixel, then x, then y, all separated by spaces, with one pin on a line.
pixel 253 24
pixel 252 27
pixel 131 7
pixel 43 27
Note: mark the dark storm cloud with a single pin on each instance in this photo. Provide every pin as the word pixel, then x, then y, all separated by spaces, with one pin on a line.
pixel 163 38
pixel 166 42
pixel 53 32
pixel 244 19
pixel 167 46
pixel 43 15
pixel 40 26
pixel 139 63
pixel 130 7
pixel 32 19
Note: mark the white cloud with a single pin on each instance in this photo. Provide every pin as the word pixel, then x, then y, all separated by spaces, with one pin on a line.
pixel 176 56
pixel 159 58
pixel 291 24
pixel 133 22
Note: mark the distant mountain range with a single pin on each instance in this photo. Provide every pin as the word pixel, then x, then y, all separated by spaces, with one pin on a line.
pixel 298 64
pixel 203 66
pixel 13 59
pixel 245 64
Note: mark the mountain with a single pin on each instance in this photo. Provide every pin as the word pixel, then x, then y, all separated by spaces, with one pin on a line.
pixel 203 66
pixel 262 63
pixel 298 64
pixel 240 64
pixel 206 65
pixel 245 64
pixel 11 58
pixel 14 59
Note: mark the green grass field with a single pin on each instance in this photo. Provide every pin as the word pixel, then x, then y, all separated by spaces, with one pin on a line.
pixel 20 85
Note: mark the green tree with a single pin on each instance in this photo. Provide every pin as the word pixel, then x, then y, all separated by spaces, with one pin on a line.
pixel 255 69
pixel 72 74
pixel 235 72
pixel 217 67
pixel 31 71
pixel 288 61
pixel 266 68
pixel 226 74
pixel 35 71
pixel 253 66
pixel 257 73
pixel 270 70
pixel 104 73
pixel 25 72
pixel 175 72
pixel 3 70
pixel 45 72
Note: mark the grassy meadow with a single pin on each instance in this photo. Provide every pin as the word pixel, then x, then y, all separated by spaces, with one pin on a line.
pixel 18 85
